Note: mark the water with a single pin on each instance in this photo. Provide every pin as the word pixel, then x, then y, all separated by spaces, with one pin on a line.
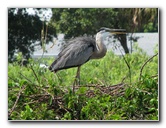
pixel 146 41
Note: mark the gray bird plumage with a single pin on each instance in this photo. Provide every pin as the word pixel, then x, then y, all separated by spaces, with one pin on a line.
pixel 81 49
pixel 77 52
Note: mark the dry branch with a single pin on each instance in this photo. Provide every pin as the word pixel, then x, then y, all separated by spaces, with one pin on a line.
pixel 35 74
pixel 18 96
pixel 145 64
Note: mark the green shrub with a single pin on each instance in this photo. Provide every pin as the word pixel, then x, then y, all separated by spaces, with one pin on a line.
pixel 35 93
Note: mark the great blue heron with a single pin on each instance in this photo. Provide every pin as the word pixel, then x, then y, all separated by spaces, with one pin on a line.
pixel 80 50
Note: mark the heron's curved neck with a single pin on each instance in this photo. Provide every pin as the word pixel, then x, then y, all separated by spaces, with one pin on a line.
pixel 100 49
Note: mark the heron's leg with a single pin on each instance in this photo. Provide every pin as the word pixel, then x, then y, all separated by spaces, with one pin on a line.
pixel 77 78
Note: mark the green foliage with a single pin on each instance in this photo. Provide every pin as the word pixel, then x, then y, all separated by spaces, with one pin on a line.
pixel 34 93
pixel 24 32
pixel 150 27
pixel 74 22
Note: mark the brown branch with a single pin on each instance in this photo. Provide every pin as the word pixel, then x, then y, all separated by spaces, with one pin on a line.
pixel 13 79
pixel 154 76
pixel 145 64
pixel 128 65
pixel 18 96
pixel 46 92
pixel 32 102
pixel 35 74
pixel 25 77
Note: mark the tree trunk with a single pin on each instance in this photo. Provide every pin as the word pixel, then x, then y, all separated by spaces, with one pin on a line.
pixel 123 40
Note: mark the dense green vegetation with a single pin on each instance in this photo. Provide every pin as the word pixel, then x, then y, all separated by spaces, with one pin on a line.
pixel 111 89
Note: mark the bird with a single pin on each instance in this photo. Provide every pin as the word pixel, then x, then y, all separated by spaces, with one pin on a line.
pixel 80 50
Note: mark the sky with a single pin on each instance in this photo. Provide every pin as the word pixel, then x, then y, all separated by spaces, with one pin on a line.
pixel 44 15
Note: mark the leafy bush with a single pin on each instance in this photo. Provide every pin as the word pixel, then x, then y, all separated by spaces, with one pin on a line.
pixel 110 90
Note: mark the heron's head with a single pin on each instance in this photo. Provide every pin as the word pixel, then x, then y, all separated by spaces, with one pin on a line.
pixel 105 32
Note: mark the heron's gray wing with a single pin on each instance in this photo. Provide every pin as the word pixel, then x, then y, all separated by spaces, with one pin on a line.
pixel 75 54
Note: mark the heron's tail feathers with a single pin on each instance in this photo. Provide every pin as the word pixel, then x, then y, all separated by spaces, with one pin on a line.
pixel 53 67
pixel 50 68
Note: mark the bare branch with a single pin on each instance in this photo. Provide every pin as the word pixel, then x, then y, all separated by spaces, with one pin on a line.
pixel 25 77
pixel 18 96
pixel 145 64
pixel 126 64
pixel 35 74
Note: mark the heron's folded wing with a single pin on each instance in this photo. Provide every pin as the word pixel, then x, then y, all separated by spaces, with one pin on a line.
pixel 75 54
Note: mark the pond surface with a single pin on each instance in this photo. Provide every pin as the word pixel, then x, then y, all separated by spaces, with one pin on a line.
pixel 146 41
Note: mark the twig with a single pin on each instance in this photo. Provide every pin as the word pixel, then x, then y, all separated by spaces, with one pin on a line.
pixel 25 77
pixel 45 90
pixel 36 101
pixel 35 74
pixel 126 64
pixel 145 64
pixel 13 79
pixel 18 96
pixel 154 76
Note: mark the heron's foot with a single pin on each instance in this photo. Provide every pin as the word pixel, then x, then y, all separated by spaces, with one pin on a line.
pixel 76 82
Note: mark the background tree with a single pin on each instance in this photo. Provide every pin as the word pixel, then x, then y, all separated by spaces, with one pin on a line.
pixel 145 19
pixel 24 31
pixel 75 22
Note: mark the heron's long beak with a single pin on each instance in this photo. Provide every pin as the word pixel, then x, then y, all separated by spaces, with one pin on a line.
pixel 116 31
